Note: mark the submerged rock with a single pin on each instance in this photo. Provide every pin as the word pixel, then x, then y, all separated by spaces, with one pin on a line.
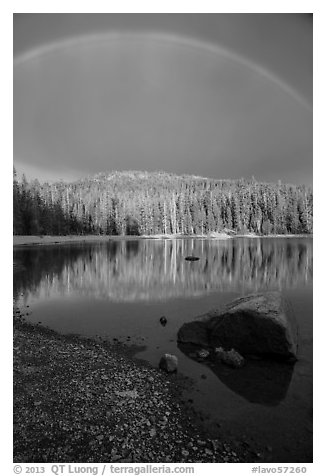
pixel 229 357
pixel 191 258
pixel 163 320
pixel 260 324
pixel 203 353
pixel 169 363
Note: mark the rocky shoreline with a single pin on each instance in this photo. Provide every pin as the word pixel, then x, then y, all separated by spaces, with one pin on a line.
pixel 80 400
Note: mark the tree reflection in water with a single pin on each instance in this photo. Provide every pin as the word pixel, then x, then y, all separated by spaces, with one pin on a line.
pixel 141 270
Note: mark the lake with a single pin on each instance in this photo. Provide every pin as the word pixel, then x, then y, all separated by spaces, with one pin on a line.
pixel 119 289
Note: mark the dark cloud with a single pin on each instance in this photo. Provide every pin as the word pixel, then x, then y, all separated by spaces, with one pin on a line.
pixel 159 102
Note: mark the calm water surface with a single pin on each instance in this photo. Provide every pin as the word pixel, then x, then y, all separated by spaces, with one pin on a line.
pixel 120 289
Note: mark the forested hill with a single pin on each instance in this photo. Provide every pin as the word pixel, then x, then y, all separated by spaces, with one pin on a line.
pixel 142 203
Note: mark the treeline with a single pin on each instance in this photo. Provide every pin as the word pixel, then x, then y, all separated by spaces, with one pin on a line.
pixel 33 215
pixel 141 203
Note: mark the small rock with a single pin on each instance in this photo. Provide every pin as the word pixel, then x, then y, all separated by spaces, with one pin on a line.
pixel 128 393
pixel 215 444
pixel 185 453
pixel 169 363
pixel 229 357
pixel 163 320
pixel 203 353
pixel 152 432
pixel 115 458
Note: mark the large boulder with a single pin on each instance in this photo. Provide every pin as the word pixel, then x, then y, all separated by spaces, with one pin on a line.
pixel 195 332
pixel 260 324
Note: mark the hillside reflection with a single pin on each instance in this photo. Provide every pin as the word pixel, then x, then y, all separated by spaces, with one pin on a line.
pixel 141 270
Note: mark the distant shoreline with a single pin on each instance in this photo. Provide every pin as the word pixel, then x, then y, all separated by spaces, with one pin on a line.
pixel 19 240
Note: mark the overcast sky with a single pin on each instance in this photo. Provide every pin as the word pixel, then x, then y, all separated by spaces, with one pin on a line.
pixel 216 95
